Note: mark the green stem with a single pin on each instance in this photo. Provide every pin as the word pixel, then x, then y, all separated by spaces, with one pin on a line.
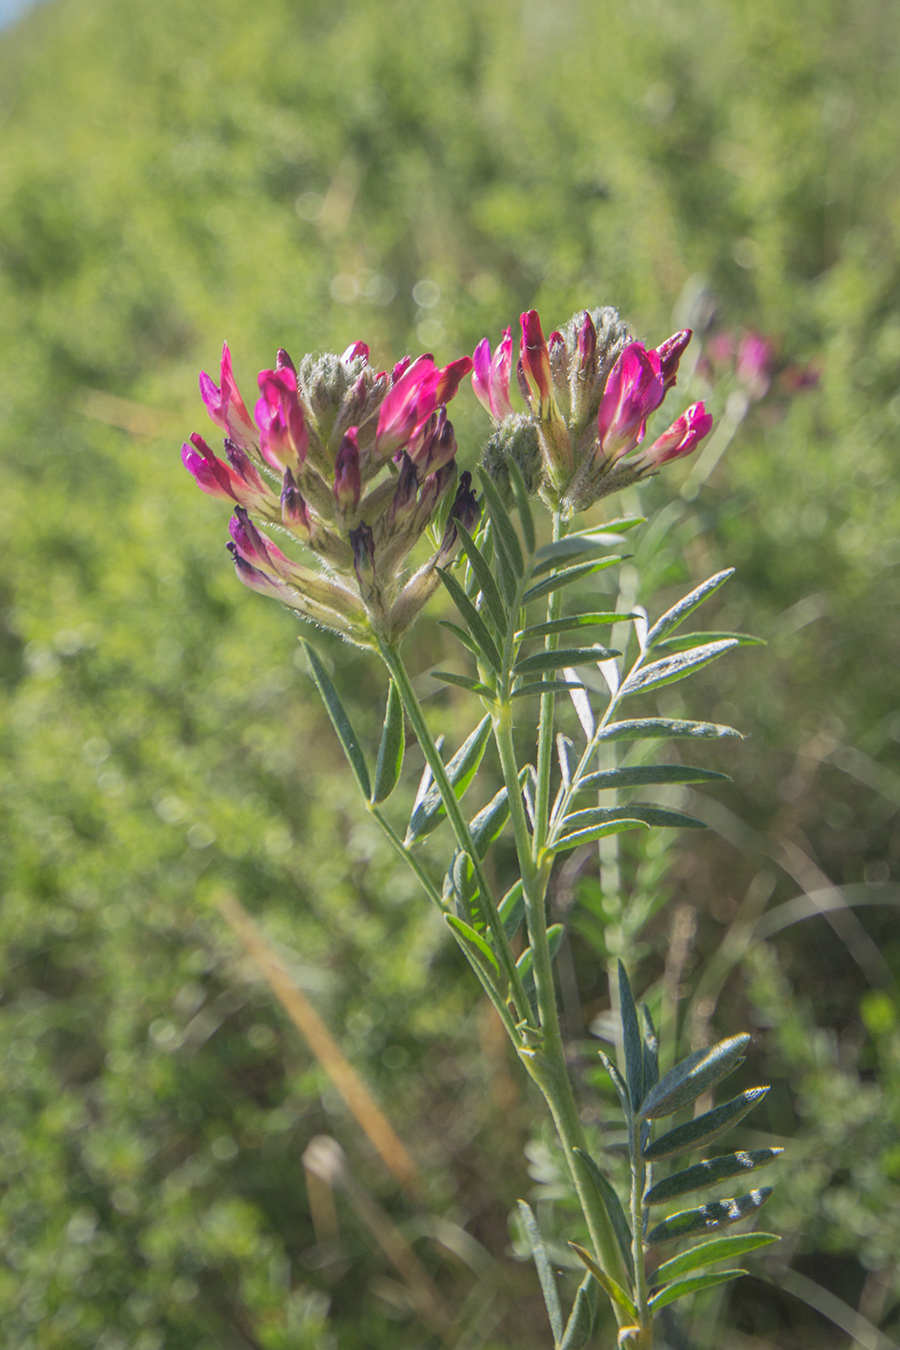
pixel 638 1183
pixel 545 726
pixel 391 657
pixel 546 1062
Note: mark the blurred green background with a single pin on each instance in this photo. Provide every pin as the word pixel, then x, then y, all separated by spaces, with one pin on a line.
pixel 174 174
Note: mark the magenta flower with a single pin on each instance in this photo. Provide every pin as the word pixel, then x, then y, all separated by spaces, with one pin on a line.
pixel 683 436
pixel 490 378
pixel 635 388
pixel 589 390
pixel 224 403
pixel 413 396
pixel 242 485
pixel 535 357
pixel 283 438
pixel 669 354
pixel 328 431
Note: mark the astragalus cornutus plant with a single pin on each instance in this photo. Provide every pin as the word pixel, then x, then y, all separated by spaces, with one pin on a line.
pixel 359 469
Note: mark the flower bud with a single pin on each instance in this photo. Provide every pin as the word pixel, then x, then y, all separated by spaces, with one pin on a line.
pixel 363 544
pixel 634 389
pixel 490 376
pixel 347 479
pixel 669 354
pixel 683 436
pixel 438 444
pixel 283 438
pixel 294 512
pixel 224 403
pixel 535 357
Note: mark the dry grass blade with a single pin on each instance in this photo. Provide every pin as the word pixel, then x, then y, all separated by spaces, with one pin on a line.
pixel 368 1114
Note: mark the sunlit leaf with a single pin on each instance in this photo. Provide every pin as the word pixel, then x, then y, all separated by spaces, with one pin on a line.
pixel 691 1078
pixel 707 1218
pixel 709 1173
pixel 674 616
pixel 493 601
pixel 460 770
pixel 465 682
pixel 567 577
pixel 700 1131
pixel 692 1286
pixel 563 656
pixel 665 728
pixel 672 668
pixel 640 775
pixel 707 1253
pixel 612 1289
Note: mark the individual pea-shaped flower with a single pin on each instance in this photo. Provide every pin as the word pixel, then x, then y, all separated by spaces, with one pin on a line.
pixel 589 391
pixel 361 461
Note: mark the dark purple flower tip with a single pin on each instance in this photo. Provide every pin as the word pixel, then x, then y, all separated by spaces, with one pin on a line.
pixel 438 443
pixel 406 491
pixel 363 544
pixel 670 353
pixel 347 477
pixel 294 511
pixel 465 509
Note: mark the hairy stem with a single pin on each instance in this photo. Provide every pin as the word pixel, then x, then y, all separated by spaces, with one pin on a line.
pixel 391 657
pixel 546 1061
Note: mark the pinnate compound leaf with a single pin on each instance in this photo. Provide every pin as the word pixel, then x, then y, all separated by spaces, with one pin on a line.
pixel 674 616
pixel 706 1218
pixel 719 1249
pixel 665 728
pixel 692 1286
pixel 691 1078
pixel 478 629
pixel 609 1286
pixel 641 775
pixel 557 580
pixel 613 1206
pixel 700 1131
pixel 563 656
pixel 390 751
pixel 581 1319
pixel 570 624
pixel 460 770
pixel 339 720
pixel 465 682
pixel 493 601
pixel 672 668
pixel 709 1173
pixel 544 1269
pixel 570 841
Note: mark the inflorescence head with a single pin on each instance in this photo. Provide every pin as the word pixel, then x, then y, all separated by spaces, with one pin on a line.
pixel 353 464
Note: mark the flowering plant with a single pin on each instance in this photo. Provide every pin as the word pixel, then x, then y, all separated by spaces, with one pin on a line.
pixel 364 467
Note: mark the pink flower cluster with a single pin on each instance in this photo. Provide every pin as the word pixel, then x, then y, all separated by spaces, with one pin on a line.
pixel 589 391
pixel 361 460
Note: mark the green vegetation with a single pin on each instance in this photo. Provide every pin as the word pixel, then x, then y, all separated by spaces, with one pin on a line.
pixel 287 176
